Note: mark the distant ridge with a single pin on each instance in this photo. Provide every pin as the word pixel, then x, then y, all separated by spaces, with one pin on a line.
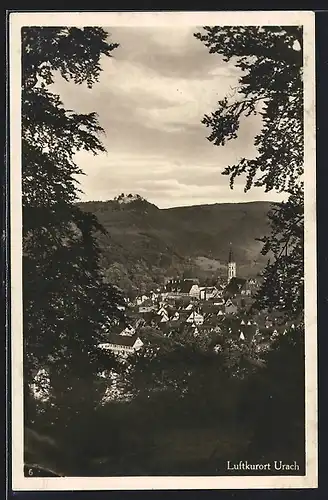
pixel 137 197
pixel 223 203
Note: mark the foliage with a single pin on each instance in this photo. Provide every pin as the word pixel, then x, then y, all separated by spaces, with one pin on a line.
pixel 278 394
pixel 283 279
pixel 188 411
pixel 66 300
pixel 270 60
pixel 179 362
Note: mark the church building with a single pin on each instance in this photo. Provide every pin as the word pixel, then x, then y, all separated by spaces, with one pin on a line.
pixel 235 286
pixel 231 266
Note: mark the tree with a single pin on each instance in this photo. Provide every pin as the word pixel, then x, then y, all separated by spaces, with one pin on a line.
pixel 270 60
pixel 66 301
pixel 283 279
pixel 273 404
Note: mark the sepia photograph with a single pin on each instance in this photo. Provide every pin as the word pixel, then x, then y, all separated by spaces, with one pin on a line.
pixel 163 242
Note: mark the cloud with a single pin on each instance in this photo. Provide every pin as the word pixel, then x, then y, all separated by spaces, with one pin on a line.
pixel 170 52
pixel 150 99
pixel 161 181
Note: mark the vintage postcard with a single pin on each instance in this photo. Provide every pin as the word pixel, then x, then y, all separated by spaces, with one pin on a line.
pixel 163 250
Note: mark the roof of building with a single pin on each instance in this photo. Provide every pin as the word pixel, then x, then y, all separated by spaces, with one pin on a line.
pixel 116 339
pixel 235 285
pixel 230 303
pixel 186 286
pixel 212 308
pixel 183 315
pixel 158 319
pixel 195 313
pixel 209 289
pixel 148 316
pixel 211 319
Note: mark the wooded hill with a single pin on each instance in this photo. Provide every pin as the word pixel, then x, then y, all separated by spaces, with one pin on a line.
pixel 145 243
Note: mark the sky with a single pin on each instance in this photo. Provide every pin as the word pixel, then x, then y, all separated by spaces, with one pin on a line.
pixel 150 99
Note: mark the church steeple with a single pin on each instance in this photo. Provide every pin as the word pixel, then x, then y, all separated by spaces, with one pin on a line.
pixel 230 254
pixel 231 265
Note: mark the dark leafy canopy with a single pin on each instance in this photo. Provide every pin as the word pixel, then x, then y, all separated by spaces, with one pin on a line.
pixel 65 298
pixel 283 285
pixel 270 60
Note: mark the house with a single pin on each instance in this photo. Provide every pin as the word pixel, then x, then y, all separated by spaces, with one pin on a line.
pixel 210 319
pixel 162 310
pixel 188 287
pixel 122 344
pixel 175 316
pixel 230 307
pixel 252 285
pixel 172 285
pixel 141 320
pixel 141 299
pixel 164 317
pixel 196 318
pixel 128 330
pixel 154 295
pixel 209 292
pixel 194 291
